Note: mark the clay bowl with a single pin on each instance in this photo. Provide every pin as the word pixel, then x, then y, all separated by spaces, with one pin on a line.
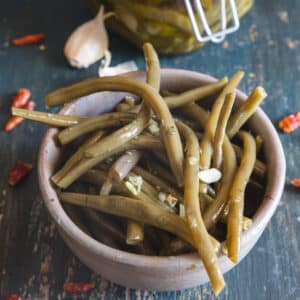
pixel 151 272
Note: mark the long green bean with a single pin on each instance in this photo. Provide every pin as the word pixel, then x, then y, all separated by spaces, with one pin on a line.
pixel 141 142
pixel 214 211
pixel 196 94
pixel 106 186
pixel 100 122
pixel 47 118
pixel 192 209
pixel 246 222
pixel 168 129
pixel 122 135
pixel 134 233
pixel 210 127
pixel 77 156
pixel 260 169
pixel 246 110
pixel 221 130
pixel 132 209
pixel 135 230
pixel 237 193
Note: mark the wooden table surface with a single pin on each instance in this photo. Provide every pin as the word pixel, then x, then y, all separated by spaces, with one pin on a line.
pixel 34 261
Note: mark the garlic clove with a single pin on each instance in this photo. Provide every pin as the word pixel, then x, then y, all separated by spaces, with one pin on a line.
pixel 210 175
pixel 88 43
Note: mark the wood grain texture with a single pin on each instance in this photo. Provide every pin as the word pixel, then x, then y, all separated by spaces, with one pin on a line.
pixel 34 261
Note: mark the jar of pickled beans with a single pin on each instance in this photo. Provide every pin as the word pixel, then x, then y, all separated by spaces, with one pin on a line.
pixel 164 23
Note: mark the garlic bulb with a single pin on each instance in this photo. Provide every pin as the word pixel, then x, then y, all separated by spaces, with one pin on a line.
pixel 88 43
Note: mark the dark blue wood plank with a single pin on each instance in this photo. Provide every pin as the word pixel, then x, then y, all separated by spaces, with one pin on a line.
pixel 33 258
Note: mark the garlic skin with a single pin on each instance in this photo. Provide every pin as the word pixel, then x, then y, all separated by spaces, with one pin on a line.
pixel 88 42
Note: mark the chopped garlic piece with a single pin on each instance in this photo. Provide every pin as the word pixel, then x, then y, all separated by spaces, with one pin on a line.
pixel 210 175
pixel 181 211
pixel 162 196
pixel 171 200
pixel 129 100
pixel 153 127
pixel 134 184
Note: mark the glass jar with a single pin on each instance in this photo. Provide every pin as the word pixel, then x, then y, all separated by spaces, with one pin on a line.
pixel 164 23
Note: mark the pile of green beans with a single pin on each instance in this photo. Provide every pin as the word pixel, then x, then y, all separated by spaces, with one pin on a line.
pixel 137 183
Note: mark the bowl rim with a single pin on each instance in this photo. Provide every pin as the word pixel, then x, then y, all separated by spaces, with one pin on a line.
pixel 260 219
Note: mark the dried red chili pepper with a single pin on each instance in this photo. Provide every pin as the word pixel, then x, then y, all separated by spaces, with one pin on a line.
pixel 295 182
pixel 21 98
pixel 290 122
pixel 20 170
pixel 16 120
pixel 13 297
pixel 29 39
pixel 77 287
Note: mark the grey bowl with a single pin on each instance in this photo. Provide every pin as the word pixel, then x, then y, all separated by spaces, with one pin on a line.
pixel 148 272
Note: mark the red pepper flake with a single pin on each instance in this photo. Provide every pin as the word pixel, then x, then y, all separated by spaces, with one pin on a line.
pixel 14 121
pixel 29 39
pixel 13 297
pixel 295 182
pixel 290 122
pixel 77 287
pixel 21 98
pixel 19 172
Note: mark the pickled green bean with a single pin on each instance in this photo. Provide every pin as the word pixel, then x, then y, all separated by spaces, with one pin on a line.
pixel 100 122
pixel 221 130
pixel 134 233
pixel 141 142
pixel 237 194
pixel 211 124
pixel 135 230
pixel 77 156
pixel 214 212
pixel 132 209
pixel 260 169
pixel 246 110
pixel 196 94
pixel 192 209
pixel 47 118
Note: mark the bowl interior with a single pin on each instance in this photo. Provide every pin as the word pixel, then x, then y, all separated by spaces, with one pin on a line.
pixel 172 80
